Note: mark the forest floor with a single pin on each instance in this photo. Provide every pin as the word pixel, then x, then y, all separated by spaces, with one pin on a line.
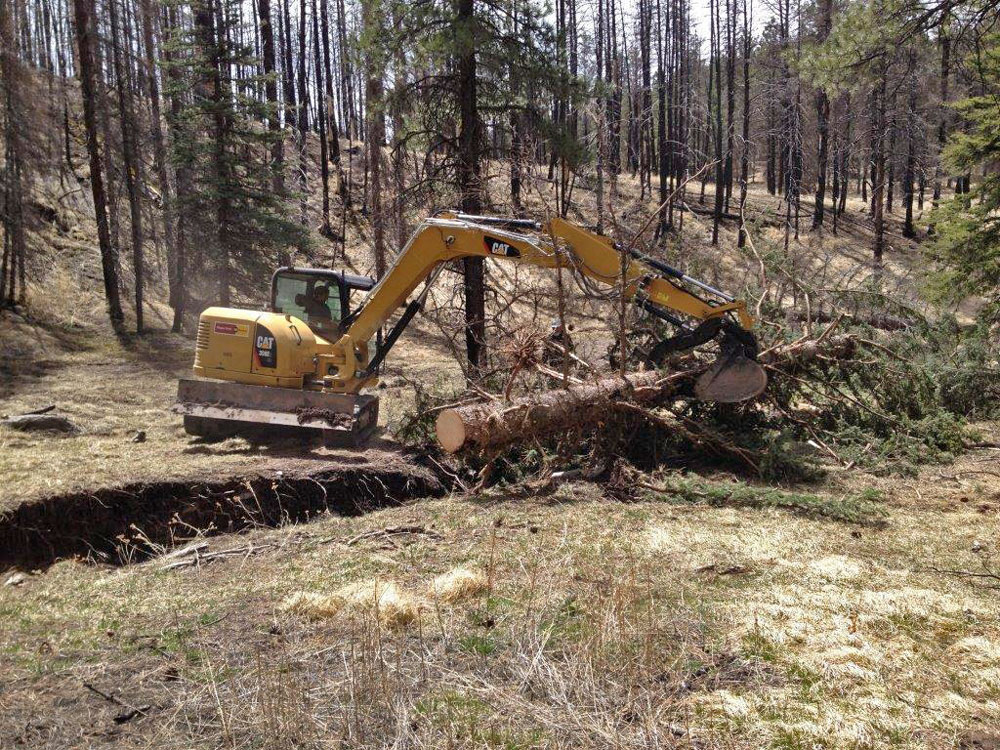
pixel 564 618
pixel 535 616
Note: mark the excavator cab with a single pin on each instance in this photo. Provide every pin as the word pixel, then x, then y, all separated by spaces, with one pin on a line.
pixel 320 297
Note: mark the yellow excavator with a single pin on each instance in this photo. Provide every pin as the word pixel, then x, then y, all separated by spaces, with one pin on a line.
pixel 299 367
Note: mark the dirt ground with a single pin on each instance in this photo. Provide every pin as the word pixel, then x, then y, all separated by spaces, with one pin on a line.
pixel 579 619
pixel 213 615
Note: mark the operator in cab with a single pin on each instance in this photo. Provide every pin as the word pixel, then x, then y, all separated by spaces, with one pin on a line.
pixel 316 307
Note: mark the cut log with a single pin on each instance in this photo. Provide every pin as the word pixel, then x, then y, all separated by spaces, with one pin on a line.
pixel 491 423
pixel 495 423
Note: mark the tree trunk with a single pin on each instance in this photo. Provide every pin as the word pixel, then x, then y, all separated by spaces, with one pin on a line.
pixel 731 17
pixel 302 120
pixel 469 185
pixel 333 129
pixel 601 115
pixel 944 41
pixel 86 35
pixel 719 166
pixel 745 158
pixel 878 170
pixel 324 157
pixel 376 131
pixel 614 77
pixel 160 153
pixel 822 119
pixel 108 155
pixel 211 88
pixel 496 423
pixel 645 120
pixel 398 142
pixel 288 75
pixel 184 178
pixel 912 126
pixel 891 155
pixel 269 60
pixel 661 125
pixel 347 117
pixel 130 149
pixel 14 248
pixel 845 157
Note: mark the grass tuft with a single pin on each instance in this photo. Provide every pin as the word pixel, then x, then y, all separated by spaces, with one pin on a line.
pixel 458 584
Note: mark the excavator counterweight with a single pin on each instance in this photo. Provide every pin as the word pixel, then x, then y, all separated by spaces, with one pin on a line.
pixel 299 367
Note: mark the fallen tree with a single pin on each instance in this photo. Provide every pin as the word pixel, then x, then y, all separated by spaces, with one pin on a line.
pixel 498 423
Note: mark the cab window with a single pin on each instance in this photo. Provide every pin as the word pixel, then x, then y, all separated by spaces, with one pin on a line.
pixel 316 300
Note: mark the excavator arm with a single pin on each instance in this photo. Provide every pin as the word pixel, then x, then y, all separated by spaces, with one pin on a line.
pixel 650 283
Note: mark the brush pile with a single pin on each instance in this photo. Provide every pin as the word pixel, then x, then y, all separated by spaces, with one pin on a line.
pixel 851 396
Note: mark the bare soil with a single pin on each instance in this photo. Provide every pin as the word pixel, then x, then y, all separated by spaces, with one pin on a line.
pixel 121 525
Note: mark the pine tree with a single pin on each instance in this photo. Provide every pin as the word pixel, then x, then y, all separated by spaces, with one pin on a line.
pixel 967 241
pixel 478 54
pixel 231 212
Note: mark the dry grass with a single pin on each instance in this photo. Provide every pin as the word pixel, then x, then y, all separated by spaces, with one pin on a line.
pixel 457 585
pixel 602 624
pixel 382 600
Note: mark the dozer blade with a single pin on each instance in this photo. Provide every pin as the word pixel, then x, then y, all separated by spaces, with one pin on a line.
pixel 732 377
pixel 216 410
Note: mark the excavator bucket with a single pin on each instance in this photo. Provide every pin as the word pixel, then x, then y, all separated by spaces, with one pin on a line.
pixel 732 377
pixel 217 410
